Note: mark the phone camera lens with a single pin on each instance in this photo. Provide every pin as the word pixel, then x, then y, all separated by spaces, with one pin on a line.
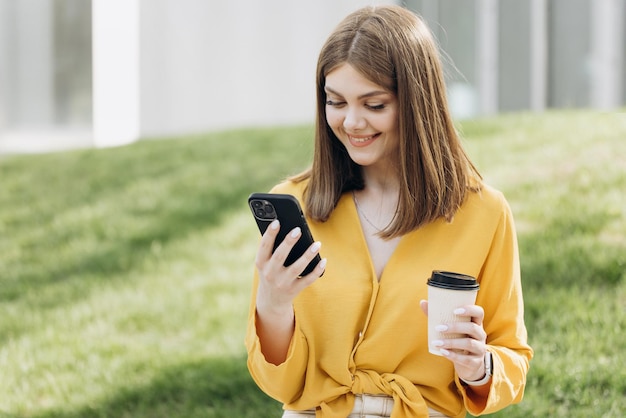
pixel 263 209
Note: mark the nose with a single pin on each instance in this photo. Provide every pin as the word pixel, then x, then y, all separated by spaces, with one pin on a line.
pixel 353 120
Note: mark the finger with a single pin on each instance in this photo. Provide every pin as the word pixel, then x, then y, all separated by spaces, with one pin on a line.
pixel 317 272
pixel 464 347
pixel 424 306
pixel 298 266
pixel 266 245
pixel 470 329
pixel 475 312
pixel 469 366
pixel 284 248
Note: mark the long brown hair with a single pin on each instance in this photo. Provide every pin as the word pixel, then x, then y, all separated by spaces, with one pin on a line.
pixel 394 48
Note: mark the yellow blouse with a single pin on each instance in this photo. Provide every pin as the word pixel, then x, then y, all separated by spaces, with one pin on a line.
pixel 354 334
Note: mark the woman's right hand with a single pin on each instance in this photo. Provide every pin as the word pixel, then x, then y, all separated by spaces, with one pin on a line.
pixel 279 285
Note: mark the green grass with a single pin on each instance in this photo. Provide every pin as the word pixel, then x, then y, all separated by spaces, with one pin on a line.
pixel 125 273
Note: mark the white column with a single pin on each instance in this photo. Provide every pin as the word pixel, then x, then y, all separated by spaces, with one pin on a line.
pixel 116 118
pixel 607 64
pixel 4 58
pixel 33 71
pixel 487 49
pixel 538 55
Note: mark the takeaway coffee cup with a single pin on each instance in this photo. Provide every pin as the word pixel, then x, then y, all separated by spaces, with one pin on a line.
pixel 446 292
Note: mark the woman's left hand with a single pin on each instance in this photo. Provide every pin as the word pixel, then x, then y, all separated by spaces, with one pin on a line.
pixel 468 353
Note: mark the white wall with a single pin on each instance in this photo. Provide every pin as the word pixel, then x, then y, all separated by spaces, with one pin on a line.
pixel 116 87
pixel 187 66
pixel 209 65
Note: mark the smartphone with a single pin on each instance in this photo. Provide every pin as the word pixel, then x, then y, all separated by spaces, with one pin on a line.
pixel 266 207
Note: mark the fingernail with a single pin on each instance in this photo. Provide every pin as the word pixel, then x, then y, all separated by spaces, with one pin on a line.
pixel 316 246
pixel 437 343
pixel 441 328
pixel 322 264
pixel 459 311
pixel 274 224
pixel 295 232
pixel 444 352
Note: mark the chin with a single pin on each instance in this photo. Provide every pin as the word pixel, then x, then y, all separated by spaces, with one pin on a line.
pixel 362 161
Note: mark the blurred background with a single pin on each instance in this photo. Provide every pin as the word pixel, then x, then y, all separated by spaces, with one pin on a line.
pixel 94 73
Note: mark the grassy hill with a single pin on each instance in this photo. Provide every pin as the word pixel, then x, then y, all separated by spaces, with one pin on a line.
pixel 125 272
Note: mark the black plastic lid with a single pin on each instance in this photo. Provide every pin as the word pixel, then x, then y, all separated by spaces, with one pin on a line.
pixel 450 280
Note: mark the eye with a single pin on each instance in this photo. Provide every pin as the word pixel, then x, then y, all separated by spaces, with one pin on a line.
pixel 334 103
pixel 375 107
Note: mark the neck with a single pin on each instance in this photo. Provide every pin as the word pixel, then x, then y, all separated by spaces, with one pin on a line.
pixel 377 202
pixel 383 183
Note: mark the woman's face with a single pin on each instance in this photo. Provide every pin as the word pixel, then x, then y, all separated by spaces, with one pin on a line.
pixel 363 115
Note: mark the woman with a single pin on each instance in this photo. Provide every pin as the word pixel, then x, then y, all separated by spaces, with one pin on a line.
pixel 392 196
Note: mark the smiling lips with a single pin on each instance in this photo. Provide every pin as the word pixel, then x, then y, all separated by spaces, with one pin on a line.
pixel 362 141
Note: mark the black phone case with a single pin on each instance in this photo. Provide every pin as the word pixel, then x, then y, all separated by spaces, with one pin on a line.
pixel 289 213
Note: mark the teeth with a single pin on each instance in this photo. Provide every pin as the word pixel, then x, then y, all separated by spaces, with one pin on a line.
pixel 361 139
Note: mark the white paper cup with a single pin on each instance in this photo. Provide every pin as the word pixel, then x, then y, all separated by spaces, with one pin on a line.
pixel 446 292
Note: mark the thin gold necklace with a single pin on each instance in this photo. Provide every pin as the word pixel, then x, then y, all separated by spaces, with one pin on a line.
pixel 359 210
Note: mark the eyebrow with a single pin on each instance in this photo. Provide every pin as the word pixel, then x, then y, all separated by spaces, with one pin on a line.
pixel 363 96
